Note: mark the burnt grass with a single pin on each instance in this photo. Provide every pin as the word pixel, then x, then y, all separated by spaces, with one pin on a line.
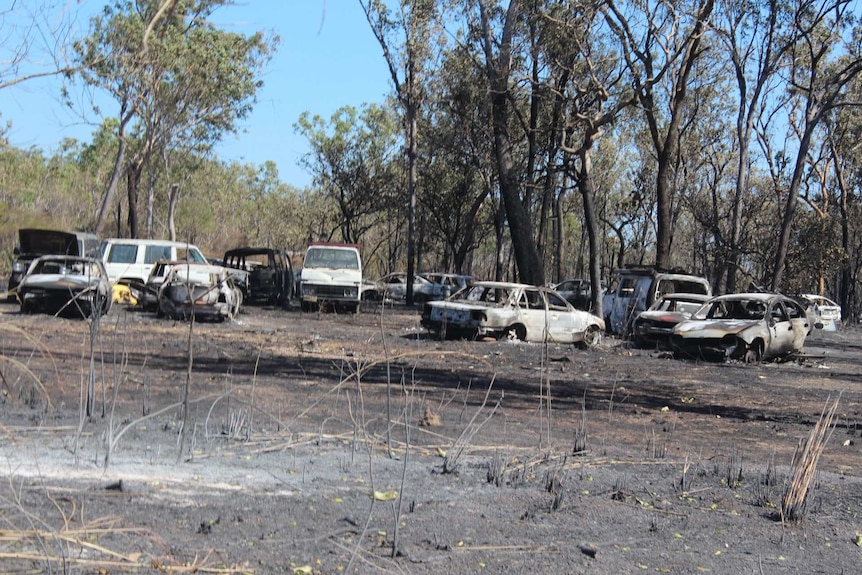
pixel 332 443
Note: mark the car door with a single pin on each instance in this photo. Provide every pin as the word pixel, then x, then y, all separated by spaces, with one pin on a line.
pixel 781 332
pixel 563 322
pixel 800 323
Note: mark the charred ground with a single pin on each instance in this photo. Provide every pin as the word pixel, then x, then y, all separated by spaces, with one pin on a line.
pixel 637 463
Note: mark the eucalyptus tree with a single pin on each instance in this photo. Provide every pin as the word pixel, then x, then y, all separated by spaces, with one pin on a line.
pixel 660 42
pixel 34 38
pixel 352 158
pixel 844 136
pixel 591 93
pixel 178 81
pixel 823 61
pixel 756 36
pixel 500 53
pixel 456 159
pixel 407 37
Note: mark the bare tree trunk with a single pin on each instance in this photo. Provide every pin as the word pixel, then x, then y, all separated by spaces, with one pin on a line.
pixel 111 191
pixel 560 251
pixel 172 208
pixel 412 153
pixel 133 180
pixel 588 194
pixel 499 225
pixel 498 69
pixel 790 209
pixel 151 198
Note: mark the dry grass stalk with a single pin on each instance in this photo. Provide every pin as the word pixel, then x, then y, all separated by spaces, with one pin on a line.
pixel 453 456
pixel 804 465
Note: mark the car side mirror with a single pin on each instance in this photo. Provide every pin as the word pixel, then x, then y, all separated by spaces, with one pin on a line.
pixel 16 250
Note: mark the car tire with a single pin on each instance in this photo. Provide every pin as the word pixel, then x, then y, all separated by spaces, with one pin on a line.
pixel 754 354
pixel 516 333
pixel 592 337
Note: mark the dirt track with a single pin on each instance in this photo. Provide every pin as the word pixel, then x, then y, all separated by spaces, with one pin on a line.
pixel 679 470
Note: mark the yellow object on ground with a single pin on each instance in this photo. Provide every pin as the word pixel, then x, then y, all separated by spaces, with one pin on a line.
pixel 122 294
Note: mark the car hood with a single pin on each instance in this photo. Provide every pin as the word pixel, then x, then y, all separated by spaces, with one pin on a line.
pixel 43 242
pixel 59 282
pixel 318 275
pixel 663 316
pixel 464 305
pixel 713 327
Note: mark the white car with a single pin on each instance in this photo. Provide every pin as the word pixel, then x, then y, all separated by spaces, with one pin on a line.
pixel 65 285
pixel 747 326
pixel 511 310
pixel 825 311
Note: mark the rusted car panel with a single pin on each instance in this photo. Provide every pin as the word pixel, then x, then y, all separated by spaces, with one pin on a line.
pixel 517 311
pixel 202 290
pixel 65 285
pixel 748 327
pixel 654 327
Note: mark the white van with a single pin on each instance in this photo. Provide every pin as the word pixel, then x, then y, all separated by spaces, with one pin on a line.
pixel 129 261
pixel 331 274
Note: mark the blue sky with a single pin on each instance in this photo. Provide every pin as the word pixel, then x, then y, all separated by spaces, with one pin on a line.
pixel 327 58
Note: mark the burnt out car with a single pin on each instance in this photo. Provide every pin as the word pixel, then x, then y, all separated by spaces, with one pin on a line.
pixel 201 290
pixel 505 310
pixel 393 287
pixel 653 327
pixel 265 274
pixel 749 327
pixel 33 243
pixel 70 286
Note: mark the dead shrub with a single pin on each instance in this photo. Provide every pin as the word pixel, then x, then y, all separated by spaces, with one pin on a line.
pixel 803 469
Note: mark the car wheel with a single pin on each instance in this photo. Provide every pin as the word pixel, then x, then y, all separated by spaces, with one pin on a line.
pixel 516 332
pixel 754 353
pixel 592 337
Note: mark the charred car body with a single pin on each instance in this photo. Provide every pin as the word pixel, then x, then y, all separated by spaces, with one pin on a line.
pixel 33 243
pixel 749 327
pixel 578 292
pixel 451 282
pixel 511 310
pixel 654 327
pixel 394 287
pixel 265 275
pixel 203 290
pixel 65 285
pixel 637 288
